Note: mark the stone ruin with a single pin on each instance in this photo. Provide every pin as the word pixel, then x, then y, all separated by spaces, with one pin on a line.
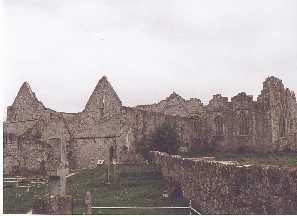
pixel 32 131
pixel 217 187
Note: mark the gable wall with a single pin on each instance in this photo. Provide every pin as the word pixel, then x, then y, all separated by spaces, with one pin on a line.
pixel 88 134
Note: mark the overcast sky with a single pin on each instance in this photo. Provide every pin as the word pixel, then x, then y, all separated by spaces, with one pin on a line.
pixel 147 49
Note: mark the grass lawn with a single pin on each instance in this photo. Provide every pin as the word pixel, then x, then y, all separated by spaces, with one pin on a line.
pixel 19 200
pixel 137 185
pixel 140 185
pixel 280 159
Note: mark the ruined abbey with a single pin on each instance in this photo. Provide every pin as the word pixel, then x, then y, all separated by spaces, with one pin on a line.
pixel 34 135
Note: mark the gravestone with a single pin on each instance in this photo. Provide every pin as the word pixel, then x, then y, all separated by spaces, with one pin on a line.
pixel 88 203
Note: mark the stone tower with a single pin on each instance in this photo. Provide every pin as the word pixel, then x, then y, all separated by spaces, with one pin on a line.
pixel 280 107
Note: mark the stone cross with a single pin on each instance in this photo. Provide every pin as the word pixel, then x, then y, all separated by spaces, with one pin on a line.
pixel 62 171
pixel 57 178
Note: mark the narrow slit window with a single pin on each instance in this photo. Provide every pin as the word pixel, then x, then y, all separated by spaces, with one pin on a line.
pixel 219 123
pixel 243 124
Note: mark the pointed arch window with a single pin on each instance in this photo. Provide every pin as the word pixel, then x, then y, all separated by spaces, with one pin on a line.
pixel 111 154
pixel 291 124
pixel 102 104
pixel 243 124
pixel 219 124
pixel 282 126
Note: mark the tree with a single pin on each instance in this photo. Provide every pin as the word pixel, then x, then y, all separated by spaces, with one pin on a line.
pixel 164 139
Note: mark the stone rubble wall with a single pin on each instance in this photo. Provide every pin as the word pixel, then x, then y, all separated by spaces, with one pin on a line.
pixel 143 123
pixel 104 99
pixel 88 135
pixel 87 152
pixel 126 132
pixel 263 118
pixel 218 188
pixel 38 149
pixel 230 140
pixel 280 105
pixel 177 106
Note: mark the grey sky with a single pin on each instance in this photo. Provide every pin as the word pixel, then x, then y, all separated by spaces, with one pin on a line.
pixel 147 49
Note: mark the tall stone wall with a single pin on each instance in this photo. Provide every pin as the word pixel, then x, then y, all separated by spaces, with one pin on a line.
pixel 280 115
pixel 124 132
pixel 143 123
pixel 87 136
pixel 177 106
pixel 87 152
pixel 221 188
pixel 242 124
pixel 37 149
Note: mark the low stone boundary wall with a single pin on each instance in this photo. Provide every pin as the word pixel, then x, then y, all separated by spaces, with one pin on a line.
pixel 218 188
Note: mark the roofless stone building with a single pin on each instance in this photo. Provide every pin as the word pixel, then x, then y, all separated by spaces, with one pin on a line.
pixel 34 135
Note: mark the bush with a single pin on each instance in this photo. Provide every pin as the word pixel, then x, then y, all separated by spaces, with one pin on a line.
pixel 163 139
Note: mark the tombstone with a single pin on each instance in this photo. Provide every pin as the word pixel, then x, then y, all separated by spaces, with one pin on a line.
pixel 40 205
pixel 54 185
pixel 61 205
pixel 88 203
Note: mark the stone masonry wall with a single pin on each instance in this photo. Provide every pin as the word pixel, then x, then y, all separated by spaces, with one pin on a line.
pixel 280 109
pixel 88 151
pixel 268 124
pixel 177 106
pixel 124 133
pixel 143 123
pixel 38 149
pixel 242 124
pixel 218 188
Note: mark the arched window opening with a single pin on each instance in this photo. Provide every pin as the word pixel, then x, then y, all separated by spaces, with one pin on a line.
pixel 282 127
pixel 243 124
pixel 291 124
pixel 219 123
pixel 111 154
pixel 102 105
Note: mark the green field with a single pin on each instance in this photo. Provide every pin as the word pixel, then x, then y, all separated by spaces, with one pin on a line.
pixel 279 159
pixel 137 185
pixel 19 200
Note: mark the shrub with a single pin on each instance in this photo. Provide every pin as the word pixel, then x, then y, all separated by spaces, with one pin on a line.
pixel 163 139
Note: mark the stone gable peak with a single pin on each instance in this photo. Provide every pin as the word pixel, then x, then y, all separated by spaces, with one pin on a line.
pixel 25 94
pixel 174 95
pixel 102 95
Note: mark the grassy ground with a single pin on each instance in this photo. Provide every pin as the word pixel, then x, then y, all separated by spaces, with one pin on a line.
pixel 140 185
pixel 136 186
pixel 280 159
pixel 19 200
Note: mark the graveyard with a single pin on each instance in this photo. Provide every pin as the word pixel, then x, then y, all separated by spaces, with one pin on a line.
pixel 228 157
pixel 134 185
